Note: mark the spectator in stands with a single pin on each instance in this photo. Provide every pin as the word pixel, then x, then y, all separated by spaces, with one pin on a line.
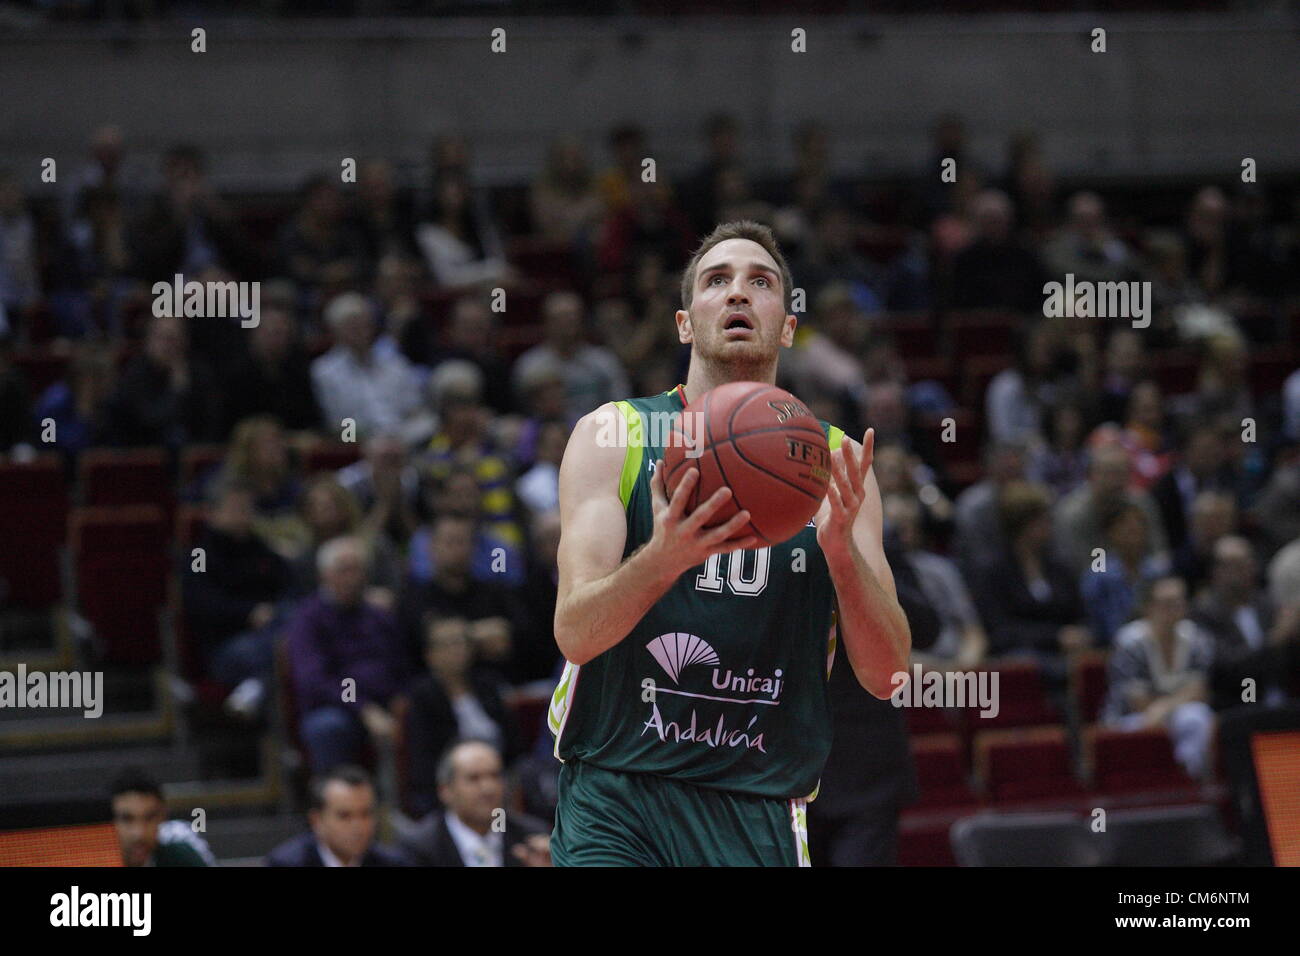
pixel 454 698
pixel 627 144
pixel 1284 575
pixel 454 591
pixel 476 829
pixel 1253 639
pixel 539 487
pixel 232 602
pixel 1277 509
pixel 144 834
pixel 831 255
pixel 472 337
pixel 1115 583
pixel 165 396
pixel 898 472
pixel 17 428
pixel 1029 183
pixel 1291 407
pixel 1214 514
pixel 188 228
pixel 464 444
pixel 1222 383
pixel 940 194
pixel 1018 397
pixel 1201 466
pixel 564 200
pixel 342 819
pixel 650 222
pixel 592 373
pixel 336 636
pixel 734 198
pixel 1081 515
pixel 402 315
pixel 961 643
pixel 1143 435
pixel 91 277
pixel 1158 676
pixel 357 379
pixel 318 248
pixel 20 284
pixel 699 194
pixel 535 654
pixel 827 355
pixel 1061 463
pixel 1122 369
pixel 381 215
pixel 73 402
pixel 461 244
pixel 1028 599
pixel 1205 240
pixel 258 458
pixel 1086 248
pixel 977 524
pixel 995 271
pixel 274 376
pixel 329 511
pixel 386 486
pixel 106 169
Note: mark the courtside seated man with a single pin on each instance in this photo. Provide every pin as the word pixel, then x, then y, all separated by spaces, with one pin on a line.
pixel 707 757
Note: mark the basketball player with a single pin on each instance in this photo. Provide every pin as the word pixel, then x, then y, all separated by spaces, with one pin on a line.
pixel 692 715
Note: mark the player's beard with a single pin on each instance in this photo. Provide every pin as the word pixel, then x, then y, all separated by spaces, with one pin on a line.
pixel 735 361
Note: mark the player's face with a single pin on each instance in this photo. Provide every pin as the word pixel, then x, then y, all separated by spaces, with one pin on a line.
pixel 346 824
pixel 737 312
pixel 136 817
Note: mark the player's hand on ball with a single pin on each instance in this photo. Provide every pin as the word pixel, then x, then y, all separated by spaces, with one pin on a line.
pixel 683 538
pixel 845 493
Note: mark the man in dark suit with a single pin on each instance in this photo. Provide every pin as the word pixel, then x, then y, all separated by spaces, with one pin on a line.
pixel 475 829
pixel 1252 639
pixel 869 776
pixel 342 818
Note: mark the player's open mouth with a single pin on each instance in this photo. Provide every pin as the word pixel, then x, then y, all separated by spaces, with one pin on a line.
pixel 738 325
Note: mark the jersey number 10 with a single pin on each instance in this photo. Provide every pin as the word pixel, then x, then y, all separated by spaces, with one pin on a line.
pixel 746 572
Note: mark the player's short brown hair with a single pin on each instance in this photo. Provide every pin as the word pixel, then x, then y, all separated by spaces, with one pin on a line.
pixel 740 229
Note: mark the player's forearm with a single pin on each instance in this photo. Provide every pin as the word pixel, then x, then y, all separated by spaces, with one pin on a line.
pixel 593 616
pixel 872 624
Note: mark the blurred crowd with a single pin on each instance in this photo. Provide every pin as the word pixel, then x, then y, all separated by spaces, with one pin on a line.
pixel 425 571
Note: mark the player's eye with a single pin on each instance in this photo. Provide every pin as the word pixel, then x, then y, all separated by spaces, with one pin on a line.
pixel 764 280
pixel 716 275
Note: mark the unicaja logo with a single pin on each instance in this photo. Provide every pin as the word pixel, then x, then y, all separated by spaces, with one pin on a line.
pixel 677 651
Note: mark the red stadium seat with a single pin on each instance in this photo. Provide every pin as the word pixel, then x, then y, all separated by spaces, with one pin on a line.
pixel 1132 761
pixel 1022 701
pixel 40 369
pixel 136 476
pixel 1022 765
pixel 981 333
pixel 122 562
pixel 977 372
pixel 330 456
pixel 1087 685
pixel 546 262
pixel 33 525
pixel 913 333
pixel 197 461
pixel 923 840
pixel 941 771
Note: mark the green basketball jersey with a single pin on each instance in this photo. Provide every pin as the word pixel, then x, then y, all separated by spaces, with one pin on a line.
pixel 723 681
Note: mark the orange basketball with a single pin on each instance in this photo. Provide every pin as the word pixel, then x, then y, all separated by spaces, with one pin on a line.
pixel 764 444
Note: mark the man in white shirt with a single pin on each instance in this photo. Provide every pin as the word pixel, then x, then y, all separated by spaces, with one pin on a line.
pixel 361 377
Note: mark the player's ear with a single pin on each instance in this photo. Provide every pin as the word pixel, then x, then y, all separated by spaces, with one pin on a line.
pixel 685 334
pixel 787 331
